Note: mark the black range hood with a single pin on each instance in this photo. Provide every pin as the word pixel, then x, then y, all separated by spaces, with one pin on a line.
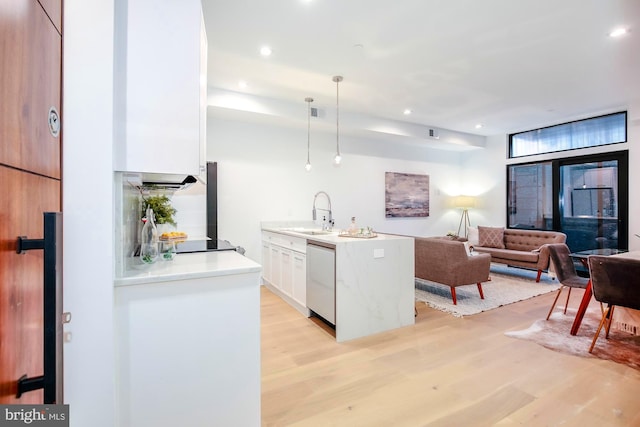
pixel 157 181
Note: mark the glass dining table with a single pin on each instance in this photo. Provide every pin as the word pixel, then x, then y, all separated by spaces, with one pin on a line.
pixel 583 257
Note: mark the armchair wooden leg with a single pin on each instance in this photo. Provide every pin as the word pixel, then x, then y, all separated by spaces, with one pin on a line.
pixel 480 290
pixel 554 302
pixel 539 274
pixel 453 295
pixel 595 337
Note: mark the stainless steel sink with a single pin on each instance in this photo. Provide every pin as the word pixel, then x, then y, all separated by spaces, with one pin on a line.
pixel 308 231
pixel 314 232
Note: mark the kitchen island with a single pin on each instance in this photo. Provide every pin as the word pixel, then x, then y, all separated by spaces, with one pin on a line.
pixel 188 341
pixel 374 277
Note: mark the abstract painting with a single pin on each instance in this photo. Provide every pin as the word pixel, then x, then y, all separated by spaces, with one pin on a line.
pixel 406 195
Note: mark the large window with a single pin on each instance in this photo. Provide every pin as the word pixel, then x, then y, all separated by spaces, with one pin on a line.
pixel 603 130
pixel 585 197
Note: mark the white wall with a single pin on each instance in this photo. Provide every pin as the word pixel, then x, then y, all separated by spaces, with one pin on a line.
pixel 484 176
pixel 88 211
pixel 261 177
pixel 633 135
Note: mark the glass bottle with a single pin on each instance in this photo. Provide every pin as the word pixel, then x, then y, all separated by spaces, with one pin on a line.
pixel 353 228
pixel 149 239
pixel 167 249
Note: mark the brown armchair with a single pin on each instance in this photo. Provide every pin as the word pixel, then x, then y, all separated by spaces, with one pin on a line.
pixel 445 261
pixel 615 281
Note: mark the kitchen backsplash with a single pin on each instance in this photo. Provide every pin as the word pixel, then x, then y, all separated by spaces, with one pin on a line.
pixel 190 205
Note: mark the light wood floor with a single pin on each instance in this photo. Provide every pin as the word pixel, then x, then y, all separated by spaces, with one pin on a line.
pixel 443 371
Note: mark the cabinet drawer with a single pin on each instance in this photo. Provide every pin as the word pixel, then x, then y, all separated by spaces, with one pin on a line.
pixel 266 236
pixel 297 244
pixel 273 238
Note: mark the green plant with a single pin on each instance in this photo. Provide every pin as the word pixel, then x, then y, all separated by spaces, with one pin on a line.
pixel 162 209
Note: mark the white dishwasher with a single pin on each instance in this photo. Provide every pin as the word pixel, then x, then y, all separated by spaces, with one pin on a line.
pixel 321 280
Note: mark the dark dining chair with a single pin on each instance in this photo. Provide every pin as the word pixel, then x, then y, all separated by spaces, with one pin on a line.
pixel 616 282
pixel 565 271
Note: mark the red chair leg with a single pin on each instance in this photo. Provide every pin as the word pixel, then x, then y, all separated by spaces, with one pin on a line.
pixel 586 298
pixel 539 274
pixel 480 290
pixel 453 295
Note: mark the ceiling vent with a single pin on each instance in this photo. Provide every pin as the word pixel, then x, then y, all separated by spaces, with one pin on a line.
pixel 433 133
pixel 314 112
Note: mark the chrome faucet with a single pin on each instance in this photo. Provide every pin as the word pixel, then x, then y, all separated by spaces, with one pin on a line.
pixel 330 222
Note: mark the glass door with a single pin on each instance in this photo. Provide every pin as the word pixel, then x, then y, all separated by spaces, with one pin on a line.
pixel 592 195
pixel 530 196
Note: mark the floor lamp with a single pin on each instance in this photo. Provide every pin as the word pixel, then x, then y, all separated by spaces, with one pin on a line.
pixel 465 202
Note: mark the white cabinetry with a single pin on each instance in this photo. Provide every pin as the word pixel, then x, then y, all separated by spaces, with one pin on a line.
pixel 266 261
pixel 276 266
pixel 300 278
pixel 159 88
pixel 285 267
pixel 188 342
pixel 286 272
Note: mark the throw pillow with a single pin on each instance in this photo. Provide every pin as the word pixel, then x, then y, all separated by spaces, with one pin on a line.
pixel 491 237
pixel 472 236
pixel 467 248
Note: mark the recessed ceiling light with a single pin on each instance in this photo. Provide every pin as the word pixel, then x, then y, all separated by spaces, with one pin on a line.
pixel 265 51
pixel 618 32
pixel 479 126
pixel 242 84
pixel 407 112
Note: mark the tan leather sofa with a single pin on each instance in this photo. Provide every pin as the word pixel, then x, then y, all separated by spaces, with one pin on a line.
pixel 445 261
pixel 523 248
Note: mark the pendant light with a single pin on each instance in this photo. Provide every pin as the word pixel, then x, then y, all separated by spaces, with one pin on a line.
pixel 308 101
pixel 338 158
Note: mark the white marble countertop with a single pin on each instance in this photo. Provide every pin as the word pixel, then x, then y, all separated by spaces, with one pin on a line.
pixel 187 266
pixel 374 277
pixel 331 237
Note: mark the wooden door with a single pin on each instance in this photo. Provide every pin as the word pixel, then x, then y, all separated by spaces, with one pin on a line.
pixel 29 87
pixel 30 78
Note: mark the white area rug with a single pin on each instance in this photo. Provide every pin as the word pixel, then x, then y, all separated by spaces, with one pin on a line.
pixel 554 334
pixel 507 285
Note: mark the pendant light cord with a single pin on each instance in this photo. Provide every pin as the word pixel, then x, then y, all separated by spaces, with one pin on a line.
pixel 308 101
pixel 338 114
pixel 337 79
pixel 308 127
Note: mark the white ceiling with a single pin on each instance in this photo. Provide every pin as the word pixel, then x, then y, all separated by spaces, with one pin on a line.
pixel 510 64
